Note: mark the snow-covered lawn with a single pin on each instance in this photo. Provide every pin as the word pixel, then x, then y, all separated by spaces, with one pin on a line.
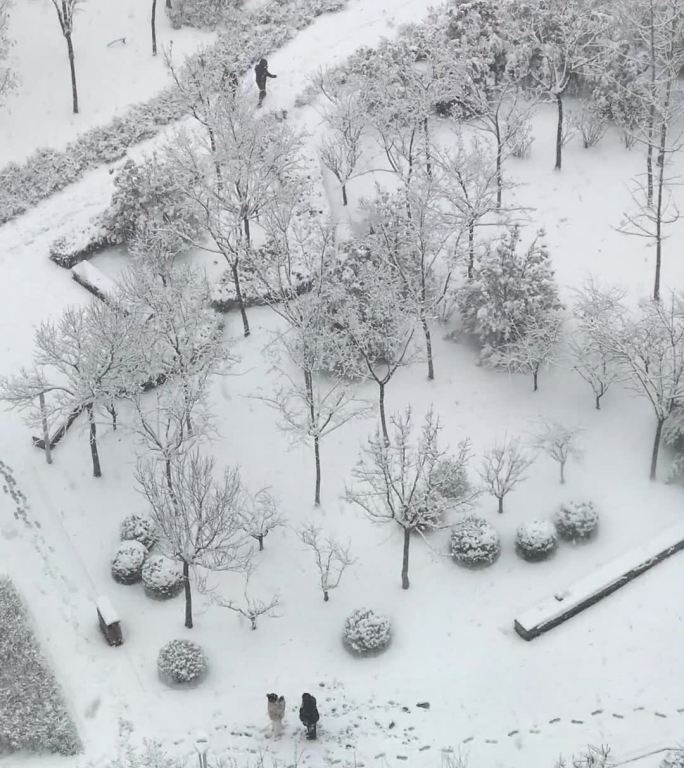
pixel 611 675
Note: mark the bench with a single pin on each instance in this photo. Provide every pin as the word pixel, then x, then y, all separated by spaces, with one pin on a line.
pixel 93 280
pixel 109 621
pixel 588 590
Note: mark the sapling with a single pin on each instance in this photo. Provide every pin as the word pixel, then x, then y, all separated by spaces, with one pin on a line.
pixel 503 467
pixel 332 558
pixel 558 442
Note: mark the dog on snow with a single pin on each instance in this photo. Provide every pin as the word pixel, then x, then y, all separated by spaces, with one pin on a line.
pixel 276 712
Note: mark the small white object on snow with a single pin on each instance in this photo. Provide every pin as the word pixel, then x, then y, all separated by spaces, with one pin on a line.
pixel 601 582
pixel 106 610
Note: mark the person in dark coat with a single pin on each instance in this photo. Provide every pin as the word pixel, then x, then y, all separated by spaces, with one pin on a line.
pixel 261 72
pixel 308 714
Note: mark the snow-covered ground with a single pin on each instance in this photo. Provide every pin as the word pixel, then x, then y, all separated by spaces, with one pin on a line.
pixel 611 675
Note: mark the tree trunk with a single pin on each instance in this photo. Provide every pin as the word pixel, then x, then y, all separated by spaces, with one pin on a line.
pixel 72 67
pixel 248 233
pixel 97 472
pixel 260 539
pixel 188 594
pixel 317 456
pixel 383 419
pixel 112 412
pixel 559 132
pixel 253 621
pixel 405 559
pixel 428 346
pixel 344 194
pixel 46 433
pixel 535 376
pixel 651 109
pixel 240 299
pixel 499 173
pixel 168 4
pixel 562 472
pixel 656 448
pixel 154 27
pixel 471 248
pixel 428 154
pixel 500 498
pixel 326 596
pixel 598 402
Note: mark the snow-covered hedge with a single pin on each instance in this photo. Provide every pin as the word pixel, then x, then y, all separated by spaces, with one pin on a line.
pixel 673 759
pixel 366 632
pixel 162 577
pixel 536 540
pixel 224 298
pixel 252 35
pixel 79 243
pixel 181 661
pixel 137 527
pixel 128 561
pixel 450 479
pixel 201 14
pixel 33 716
pixel 576 520
pixel 474 542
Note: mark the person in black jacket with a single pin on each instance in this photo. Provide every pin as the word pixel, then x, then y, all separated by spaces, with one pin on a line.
pixel 261 72
pixel 308 714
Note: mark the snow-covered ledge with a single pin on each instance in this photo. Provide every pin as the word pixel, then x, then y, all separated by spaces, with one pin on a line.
pixel 93 280
pixel 591 588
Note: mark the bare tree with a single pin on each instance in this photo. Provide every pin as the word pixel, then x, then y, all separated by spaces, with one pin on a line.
pixel 196 515
pixel 533 347
pixel 65 15
pixel 397 483
pixel 332 558
pixel 259 515
pixel 341 149
pixel 502 468
pixel 251 608
pixel 596 311
pixel 651 349
pixel 558 442
pixel 84 361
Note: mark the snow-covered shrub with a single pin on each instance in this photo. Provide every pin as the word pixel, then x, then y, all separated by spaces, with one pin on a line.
pixel 128 561
pixel 181 661
pixel 511 289
pixel 673 759
pixel 201 14
pixel 474 542
pixel 536 540
pixel 576 520
pixel 33 716
pixel 591 120
pixel 139 528
pixel 366 632
pixel 80 243
pixel 162 577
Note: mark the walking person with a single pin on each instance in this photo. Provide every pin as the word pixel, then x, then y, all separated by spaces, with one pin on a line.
pixel 261 72
pixel 308 714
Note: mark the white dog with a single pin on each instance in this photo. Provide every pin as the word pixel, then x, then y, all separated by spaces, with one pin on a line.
pixel 276 712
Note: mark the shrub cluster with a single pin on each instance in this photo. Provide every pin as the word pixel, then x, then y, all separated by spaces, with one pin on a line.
pixel 128 562
pixel 33 716
pixel 536 540
pixel 576 520
pixel 474 542
pixel 201 14
pixel 139 528
pixel 162 577
pixel 47 171
pixel 366 632
pixel 181 661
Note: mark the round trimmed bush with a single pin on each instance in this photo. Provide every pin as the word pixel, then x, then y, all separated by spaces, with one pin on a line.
pixel 536 540
pixel 162 577
pixel 181 661
pixel 137 527
pixel 474 542
pixel 577 520
pixel 127 562
pixel 366 633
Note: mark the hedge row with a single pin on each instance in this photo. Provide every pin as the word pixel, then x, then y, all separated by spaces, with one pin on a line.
pixel 47 171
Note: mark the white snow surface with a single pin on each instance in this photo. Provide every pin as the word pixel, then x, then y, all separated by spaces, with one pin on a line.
pixel 611 675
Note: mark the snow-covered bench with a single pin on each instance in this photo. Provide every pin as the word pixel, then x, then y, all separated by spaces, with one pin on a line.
pixel 591 588
pixel 93 280
pixel 109 620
